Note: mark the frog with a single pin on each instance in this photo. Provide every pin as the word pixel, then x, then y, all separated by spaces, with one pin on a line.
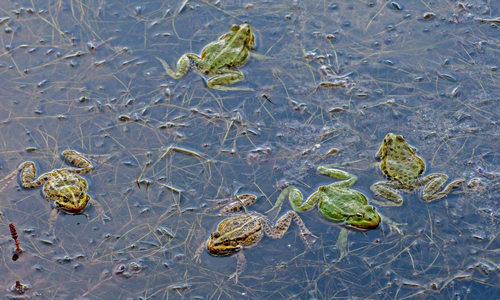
pixel 219 58
pixel 404 169
pixel 63 187
pixel 242 230
pixel 336 202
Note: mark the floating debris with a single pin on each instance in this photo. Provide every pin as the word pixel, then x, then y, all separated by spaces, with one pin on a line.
pixel 13 233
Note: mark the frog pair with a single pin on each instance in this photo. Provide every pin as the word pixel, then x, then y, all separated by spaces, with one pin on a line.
pixel 336 202
pixel 399 163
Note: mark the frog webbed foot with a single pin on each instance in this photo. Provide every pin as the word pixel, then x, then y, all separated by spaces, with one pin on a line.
pixel 393 226
pixel 52 221
pixel 310 240
pixel 105 218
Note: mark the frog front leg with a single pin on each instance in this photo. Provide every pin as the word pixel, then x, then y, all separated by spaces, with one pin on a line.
pixel 433 183
pixel 52 220
pixel 348 179
pixel 342 243
pixel 225 77
pixel 389 191
pixel 99 210
pixel 182 66
pixel 199 251
pixel 75 158
pixel 28 175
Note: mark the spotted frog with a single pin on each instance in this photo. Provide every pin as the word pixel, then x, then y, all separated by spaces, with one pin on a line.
pixel 219 58
pixel 64 186
pixel 245 230
pixel 404 169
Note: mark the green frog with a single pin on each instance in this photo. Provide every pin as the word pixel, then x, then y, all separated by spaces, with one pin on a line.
pixel 245 230
pixel 404 168
pixel 218 59
pixel 338 203
pixel 64 186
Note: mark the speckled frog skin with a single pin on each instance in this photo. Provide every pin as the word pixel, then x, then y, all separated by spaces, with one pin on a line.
pixel 64 187
pixel 404 168
pixel 245 230
pixel 218 59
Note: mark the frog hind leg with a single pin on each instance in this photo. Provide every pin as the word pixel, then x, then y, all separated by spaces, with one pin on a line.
pixel 288 191
pixel 76 159
pixel 241 264
pixel 277 231
pixel 241 202
pixel 348 179
pixel 295 198
pixel 225 77
pixel 182 66
pixel 97 206
pixel 28 175
pixel 388 191
pixel 433 183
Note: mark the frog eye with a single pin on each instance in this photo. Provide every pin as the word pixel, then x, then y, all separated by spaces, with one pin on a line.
pixel 235 27
pixel 400 138
pixel 226 242
pixel 359 215
pixel 215 235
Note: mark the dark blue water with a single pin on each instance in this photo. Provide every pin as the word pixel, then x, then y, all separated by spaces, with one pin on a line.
pixel 329 80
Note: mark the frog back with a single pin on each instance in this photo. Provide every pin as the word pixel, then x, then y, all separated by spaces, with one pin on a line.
pixel 406 169
pixel 64 184
pixel 245 230
pixel 218 55
pixel 338 204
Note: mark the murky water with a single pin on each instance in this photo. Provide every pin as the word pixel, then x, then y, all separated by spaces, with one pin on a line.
pixel 329 80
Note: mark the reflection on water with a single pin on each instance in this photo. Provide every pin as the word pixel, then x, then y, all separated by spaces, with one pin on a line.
pixel 329 80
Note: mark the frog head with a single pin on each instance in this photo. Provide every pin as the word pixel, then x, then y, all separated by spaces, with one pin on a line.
pixel 399 160
pixel 240 36
pixel 364 218
pixel 221 245
pixel 71 203
pixel 394 145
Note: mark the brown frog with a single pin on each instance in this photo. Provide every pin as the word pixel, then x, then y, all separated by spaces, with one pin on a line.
pixel 64 186
pixel 245 230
